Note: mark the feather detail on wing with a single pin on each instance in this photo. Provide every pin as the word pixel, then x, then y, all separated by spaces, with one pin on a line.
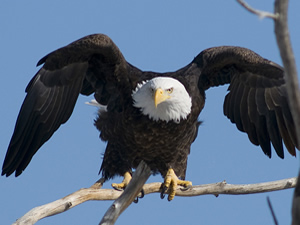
pixel 257 99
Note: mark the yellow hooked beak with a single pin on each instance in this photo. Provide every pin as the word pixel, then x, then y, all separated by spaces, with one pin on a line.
pixel 160 96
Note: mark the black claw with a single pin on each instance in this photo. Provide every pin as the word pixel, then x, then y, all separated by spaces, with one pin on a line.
pixel 162 195
pixel 136 200
pixel 163 192
pixel 142 194
pixel 186 188
pixel 118 189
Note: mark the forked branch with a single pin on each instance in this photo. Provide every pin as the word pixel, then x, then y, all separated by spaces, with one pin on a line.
pixel 259 13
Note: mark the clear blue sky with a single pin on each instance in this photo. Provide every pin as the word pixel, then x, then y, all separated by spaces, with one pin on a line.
pixel 153 35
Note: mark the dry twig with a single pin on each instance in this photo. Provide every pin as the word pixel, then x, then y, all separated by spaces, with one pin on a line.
pixel 272 211
pixel 259 13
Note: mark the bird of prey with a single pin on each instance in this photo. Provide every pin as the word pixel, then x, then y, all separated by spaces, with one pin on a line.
pixel 147 115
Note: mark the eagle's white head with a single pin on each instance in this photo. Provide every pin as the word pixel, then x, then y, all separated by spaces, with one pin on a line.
pixel 163 98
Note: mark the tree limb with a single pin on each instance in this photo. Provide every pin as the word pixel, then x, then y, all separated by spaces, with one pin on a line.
pixel 259 13
pixel 272 211
pixel 291 77
pixel 288 59
pixel 296 205
pixel 92 193
pixel 134 187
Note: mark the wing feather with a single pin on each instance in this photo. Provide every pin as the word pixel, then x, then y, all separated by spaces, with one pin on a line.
pixel 256 100
pixel 237 108
pixel 43 111
pixel 85 66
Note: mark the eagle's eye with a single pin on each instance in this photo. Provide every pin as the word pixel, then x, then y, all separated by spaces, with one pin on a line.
pixel 170 90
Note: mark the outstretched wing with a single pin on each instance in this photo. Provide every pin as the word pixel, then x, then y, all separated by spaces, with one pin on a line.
pixel 257 99
pixel 88 65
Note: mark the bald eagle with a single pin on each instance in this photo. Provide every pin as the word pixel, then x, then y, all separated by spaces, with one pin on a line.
pixel 150 116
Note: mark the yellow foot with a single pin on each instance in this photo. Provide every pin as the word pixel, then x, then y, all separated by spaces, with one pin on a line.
pixel 170 184
pixel 125 182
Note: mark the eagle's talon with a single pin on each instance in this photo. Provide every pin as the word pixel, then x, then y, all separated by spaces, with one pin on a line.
pixel 186 188
pixel 123 185
pixel 170 184
pixel 136 200
pixel 116 187
pixel 142 194
pixel 163 192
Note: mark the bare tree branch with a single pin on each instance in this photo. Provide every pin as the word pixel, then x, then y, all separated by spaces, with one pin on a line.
pixel 134 187
pixel 288 59
pixel 291 77
pixel 261 14
pixel 272 211
pixel 92 193
pixel 296 205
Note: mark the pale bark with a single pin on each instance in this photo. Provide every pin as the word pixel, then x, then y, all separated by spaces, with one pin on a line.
pixel 135 186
